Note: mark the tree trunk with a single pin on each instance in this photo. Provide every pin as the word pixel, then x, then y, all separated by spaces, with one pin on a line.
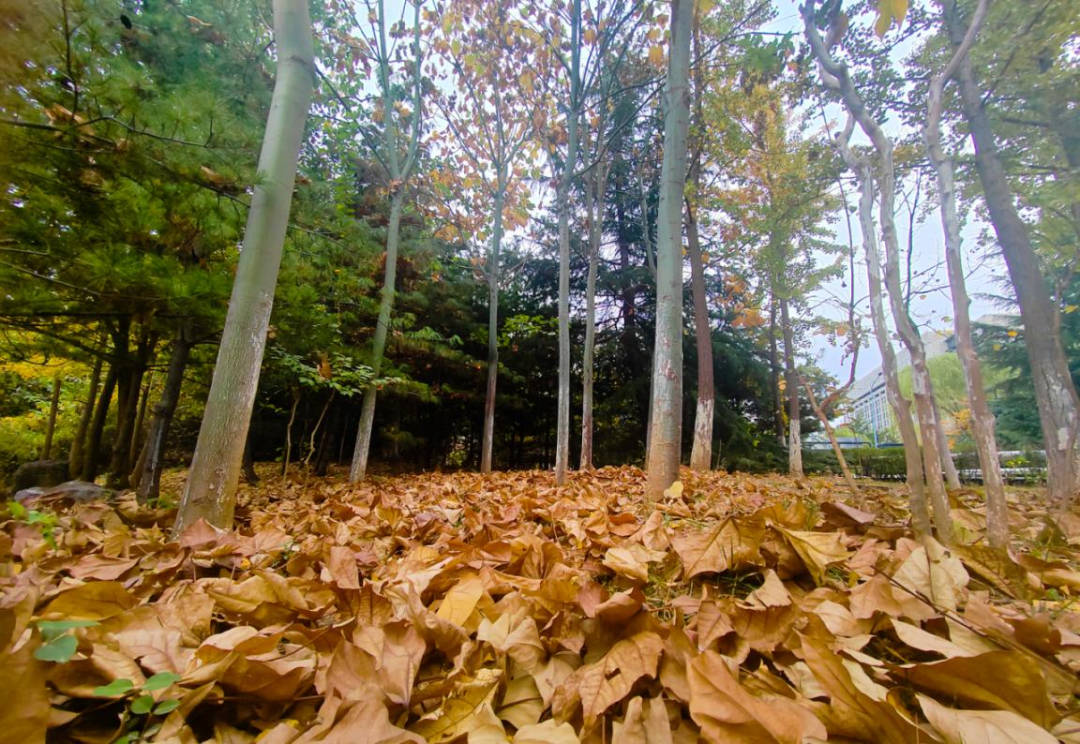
pixel 286 451
pixel 920 513
pixel 493 331
pixel 982 420
pixel 562 426
pixel 774 376
pixel 358 469
pixel 701 451
pixel 596 220
pixel 791 385
pixel 215 469
pixel 836 76
pixel 666 435
pixel 54 407
pixel 948 467
pixel 1055 393
pixel 247 464
pixel 138 438
pixel 127 408
pixel 148 476
pixel 819 411
pixel 78 444
pixel 91 461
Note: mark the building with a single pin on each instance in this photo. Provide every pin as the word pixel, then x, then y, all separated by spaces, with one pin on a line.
pixel 867 403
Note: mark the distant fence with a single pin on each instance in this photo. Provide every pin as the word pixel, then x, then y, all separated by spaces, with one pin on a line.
pixel 888 464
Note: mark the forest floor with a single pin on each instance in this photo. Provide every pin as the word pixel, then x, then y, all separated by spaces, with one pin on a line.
pixel 479 609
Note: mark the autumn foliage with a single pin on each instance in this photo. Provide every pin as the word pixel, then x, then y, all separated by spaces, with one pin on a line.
pixel 469 608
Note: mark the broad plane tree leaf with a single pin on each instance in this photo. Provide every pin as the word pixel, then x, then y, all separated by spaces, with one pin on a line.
pixel 977 726
pixel 732 544
pixel 727 712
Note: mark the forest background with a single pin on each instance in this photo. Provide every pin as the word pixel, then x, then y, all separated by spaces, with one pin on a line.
pixel 130 135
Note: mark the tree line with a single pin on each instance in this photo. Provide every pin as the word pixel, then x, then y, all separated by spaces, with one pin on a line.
pixel 481 213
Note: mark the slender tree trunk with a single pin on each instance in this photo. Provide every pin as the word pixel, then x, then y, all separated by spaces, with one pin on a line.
pixel 774 375
pixel 358 469
pixel 562 426
pixel 596 219
pixel 982 420
pixel 836 76
pixel 666 435
pixel 78 444
pixel 701 451
pixel 91 461
pixel 1055 393
pixel 215 469
pixel 920 513
pixel 138 438
pixel 791 385
pixel 54 407
pixel 948 467
pixel 148 476
pixel 127 409
pixel 488 439
pixel 247 464
pixel 819 411
pixel 286 452
pixel 315 429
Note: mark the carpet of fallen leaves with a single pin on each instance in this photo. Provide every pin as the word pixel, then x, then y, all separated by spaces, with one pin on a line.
pixel 481 609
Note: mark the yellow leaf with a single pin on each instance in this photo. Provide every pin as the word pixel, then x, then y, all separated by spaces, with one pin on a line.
pixel 971 726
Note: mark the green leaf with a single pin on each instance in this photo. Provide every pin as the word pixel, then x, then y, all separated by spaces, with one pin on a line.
pixel 114 689
pixel 51 629
pixel 57 650
pixel 160 681
pixel 166 706
pixel 142 705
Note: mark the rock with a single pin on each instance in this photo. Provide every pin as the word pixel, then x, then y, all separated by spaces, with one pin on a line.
pixel 27 494
pixel 75 490
pixel 42 473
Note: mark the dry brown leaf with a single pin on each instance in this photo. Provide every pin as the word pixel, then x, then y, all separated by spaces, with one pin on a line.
pixel 727 712
pixel 547 732
pixel 818 550
pixel 1003 680
pixel 730 545
pixel 607 681
pixel 930 572
pixel 979 726
pixel 24 716
pixel 645 722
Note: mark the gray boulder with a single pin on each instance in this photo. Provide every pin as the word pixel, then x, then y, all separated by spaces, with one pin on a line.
pixel 75 490
pixel 43 473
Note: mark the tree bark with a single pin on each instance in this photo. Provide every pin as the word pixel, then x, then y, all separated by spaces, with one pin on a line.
pixel 562 426
pixel 774 376
pixel 148 476
pixel 91 461
pixel 791 385
pixel 836 76
pixel 54 407
pixel 920 513
pixel 598 183
pixel 398 173
pixel 1055 393
pixel 129 395
pixel 701 450
pixel 210 493
pixel 78 444
pixel 286 451
pixel 358 468
pixel 488 439
pixel 982 419
pixel 819 411
pixel 137 438
pixel 666 434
